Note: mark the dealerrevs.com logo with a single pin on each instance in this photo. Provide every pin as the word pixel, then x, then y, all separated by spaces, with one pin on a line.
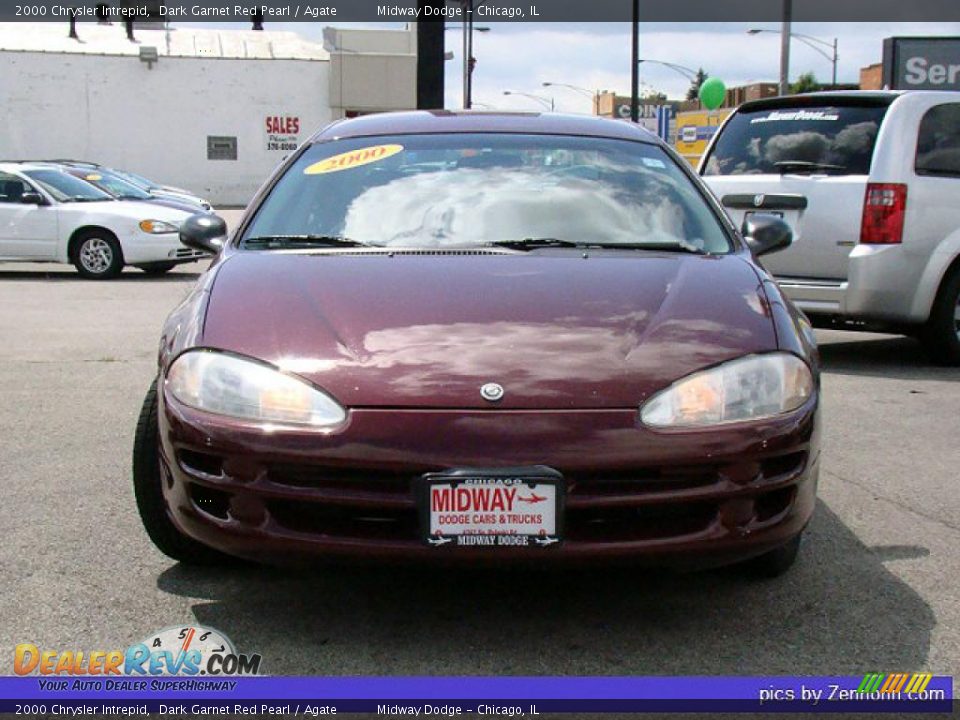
pixel 182 650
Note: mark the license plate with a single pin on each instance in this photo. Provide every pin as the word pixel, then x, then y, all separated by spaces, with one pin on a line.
pixel 492 509
pixel 750 213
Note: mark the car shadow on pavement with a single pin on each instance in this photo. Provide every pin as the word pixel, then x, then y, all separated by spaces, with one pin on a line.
pixel 129 275
pixel 883 356
pixel 839 610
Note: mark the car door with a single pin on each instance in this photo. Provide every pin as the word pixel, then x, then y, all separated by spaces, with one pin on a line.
pixel 27 231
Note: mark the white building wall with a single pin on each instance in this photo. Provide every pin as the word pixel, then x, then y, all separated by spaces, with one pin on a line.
pixel 118 112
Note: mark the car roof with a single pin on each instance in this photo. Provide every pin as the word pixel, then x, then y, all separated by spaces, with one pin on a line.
pixel 474 121
pixel 21 166
pixel 871 98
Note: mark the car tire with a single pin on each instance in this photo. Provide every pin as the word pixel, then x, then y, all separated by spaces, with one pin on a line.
pixel 774 563
pixel 158 268
pixel 941 334
pixel 97 255
pixel 148 491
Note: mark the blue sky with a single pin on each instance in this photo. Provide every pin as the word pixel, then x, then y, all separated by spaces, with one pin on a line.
pixel 596 56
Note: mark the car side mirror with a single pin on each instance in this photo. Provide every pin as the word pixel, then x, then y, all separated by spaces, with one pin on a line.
pixel 204 231
pixel 766 233
pixel 32 198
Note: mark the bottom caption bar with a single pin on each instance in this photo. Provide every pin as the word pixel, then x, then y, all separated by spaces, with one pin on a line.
pixel 896 693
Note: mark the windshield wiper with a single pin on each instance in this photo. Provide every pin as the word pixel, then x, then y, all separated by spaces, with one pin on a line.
pixel 653 247
pixel 785 166
pixel 534 243
pixel 275 242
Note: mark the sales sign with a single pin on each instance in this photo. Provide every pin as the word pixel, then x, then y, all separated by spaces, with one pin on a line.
pixel 282 133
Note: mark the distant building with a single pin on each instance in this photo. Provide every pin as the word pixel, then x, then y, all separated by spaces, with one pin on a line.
pixel 871 77
pixel 210 110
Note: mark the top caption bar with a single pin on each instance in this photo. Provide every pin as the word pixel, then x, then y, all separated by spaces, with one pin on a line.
pixel 696 11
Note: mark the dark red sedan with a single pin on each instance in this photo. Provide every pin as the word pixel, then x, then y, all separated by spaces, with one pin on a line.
pixel 479 336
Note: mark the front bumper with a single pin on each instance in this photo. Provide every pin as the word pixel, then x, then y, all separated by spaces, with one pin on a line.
pixel 683 498
pixel 145 249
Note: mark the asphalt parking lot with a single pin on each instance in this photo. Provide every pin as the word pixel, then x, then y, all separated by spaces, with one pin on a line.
pixel 874 590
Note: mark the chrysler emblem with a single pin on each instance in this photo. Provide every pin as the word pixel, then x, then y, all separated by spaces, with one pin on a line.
pixel 758 200
pixel 491 392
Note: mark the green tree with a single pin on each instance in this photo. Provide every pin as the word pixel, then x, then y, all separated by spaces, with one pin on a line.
pixel 694 92
pixel 805 83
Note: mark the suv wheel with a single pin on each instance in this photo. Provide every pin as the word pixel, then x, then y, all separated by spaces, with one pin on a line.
pixel 941 334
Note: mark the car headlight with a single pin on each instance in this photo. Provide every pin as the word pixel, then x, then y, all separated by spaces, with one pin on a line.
pixel 158 227
pixel 748 388
pixel 230 385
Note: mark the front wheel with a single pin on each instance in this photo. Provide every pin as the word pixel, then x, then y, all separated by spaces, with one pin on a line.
pixel 148 490
pixel 941 334
pixel 98 255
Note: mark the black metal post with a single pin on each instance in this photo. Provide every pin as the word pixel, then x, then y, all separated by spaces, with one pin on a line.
pixel 468 99
pixel 430 58
pixel 635 70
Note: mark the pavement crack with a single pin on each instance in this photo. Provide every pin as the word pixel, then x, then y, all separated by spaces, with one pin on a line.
pixel 892 501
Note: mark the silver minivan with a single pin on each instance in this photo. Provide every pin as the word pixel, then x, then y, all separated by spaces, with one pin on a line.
pixel 870 182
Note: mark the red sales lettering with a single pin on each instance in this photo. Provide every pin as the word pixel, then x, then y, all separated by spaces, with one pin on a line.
pixel 283 125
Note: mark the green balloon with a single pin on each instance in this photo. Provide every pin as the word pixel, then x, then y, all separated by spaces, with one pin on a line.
pixel 712 93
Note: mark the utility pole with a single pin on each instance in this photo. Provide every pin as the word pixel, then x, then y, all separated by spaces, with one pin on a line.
pixel 785 47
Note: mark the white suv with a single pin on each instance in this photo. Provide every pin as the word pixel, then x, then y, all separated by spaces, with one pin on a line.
pixel 47 215
pixel 870 182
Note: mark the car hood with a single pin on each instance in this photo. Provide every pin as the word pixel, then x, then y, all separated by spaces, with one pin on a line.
pixel 130 209
pixel 555 329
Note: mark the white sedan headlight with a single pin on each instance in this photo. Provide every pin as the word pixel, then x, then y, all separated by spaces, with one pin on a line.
pixel 158 227
pixel 748 388
pixel 240 388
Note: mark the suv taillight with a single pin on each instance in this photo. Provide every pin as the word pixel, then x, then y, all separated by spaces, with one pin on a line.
pixel 883 209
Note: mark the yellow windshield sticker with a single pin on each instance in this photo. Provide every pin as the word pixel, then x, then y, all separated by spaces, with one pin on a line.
pixel 94 178
pixel 352 159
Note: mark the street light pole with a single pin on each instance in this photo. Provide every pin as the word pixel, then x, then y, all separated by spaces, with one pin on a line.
pixel 809 41
pixel 546 102
pixel 785 47
pixel 689 73
pixel 594 95
pixel 834 62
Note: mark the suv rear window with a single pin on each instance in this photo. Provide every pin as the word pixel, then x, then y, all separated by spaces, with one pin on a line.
pixel 835 140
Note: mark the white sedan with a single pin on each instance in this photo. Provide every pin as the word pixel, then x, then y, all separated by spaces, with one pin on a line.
pixel 47 215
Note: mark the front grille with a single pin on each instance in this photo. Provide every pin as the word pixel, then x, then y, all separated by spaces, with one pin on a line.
pixel 602 506
pixel 646 522
pixel 183 252
pixel 337 521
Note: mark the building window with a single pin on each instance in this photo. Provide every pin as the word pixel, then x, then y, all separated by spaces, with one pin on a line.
pixel 938 143
pixel 221 147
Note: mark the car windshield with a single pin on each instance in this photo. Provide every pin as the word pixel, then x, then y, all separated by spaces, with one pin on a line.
pixel 65 187
pixel 137 180
pixel 832 140
pixel 457 190
pixel 115 185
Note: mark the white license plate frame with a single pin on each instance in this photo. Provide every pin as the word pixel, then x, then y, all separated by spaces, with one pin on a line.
pixel 492 509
